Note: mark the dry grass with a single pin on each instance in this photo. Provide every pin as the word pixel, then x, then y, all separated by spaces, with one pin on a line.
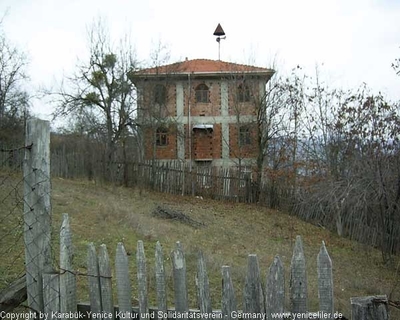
pixel 105 214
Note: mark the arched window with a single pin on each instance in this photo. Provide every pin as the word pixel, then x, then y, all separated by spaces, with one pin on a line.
pixel 159 94
pixel 243 93
pixel 202 93
pixel 161 136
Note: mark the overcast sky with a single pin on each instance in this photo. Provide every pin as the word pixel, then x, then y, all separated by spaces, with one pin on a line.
pixel 355 40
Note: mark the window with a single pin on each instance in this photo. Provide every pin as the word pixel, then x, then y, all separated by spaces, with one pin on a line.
pixel 244 136
pixel 243 93
pixel 159 94
pixel 202 93
pixel 161 137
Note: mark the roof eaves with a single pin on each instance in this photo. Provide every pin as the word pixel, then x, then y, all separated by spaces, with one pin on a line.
pixel 160 74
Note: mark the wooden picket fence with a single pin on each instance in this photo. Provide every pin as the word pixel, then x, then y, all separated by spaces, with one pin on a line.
pixel 53 294
pixel 259 302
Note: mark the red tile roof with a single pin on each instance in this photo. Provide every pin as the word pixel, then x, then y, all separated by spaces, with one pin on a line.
pixel 205 66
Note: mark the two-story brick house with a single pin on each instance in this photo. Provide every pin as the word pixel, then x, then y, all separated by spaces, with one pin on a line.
pixel 201 111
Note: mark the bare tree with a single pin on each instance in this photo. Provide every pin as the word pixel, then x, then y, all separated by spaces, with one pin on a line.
pixel 271 115
pixel 272 130
pixel 14 100
pixel 372 128
pixel 396 66
pixel 244 92
pixel 102 90
pixel 155 94
pixel 353 149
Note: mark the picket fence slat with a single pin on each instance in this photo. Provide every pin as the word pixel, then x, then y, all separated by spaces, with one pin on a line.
pixel 275 289
pixel 261 304
pixel 203 286
pixel 142 279
pixel 180 286
pixel 51 294
pixel 124 290
pixel 325 281
pixel 94 280
pixel 160 280
pixel 67 275
pixel 298 279
pixel 105 280
pixel 228 304
pixel 253 298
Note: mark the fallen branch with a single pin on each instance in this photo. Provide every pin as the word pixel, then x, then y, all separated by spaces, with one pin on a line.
pixel 395 304
pixel 166 213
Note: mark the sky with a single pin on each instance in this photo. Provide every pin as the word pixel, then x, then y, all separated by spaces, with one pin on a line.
pixel 352 41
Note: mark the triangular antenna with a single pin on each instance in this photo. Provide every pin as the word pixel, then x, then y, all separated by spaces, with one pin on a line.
pixel 220 34
pixel 219 31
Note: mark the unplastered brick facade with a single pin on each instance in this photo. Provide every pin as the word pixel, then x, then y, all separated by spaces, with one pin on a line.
pixel 201 111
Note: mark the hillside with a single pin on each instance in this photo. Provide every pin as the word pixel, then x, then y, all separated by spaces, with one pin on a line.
pixel 107 214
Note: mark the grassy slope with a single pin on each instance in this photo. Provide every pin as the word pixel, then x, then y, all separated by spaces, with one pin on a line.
pixel 104 214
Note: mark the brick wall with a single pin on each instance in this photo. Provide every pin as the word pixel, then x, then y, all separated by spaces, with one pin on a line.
pixel 202 144
pixel 212 143
pixel 238 150
pixel 169 151
pixel 151 109
pixel 243 108
pixel 212 108
pixel 171 99
pixel 204 148
pixel 217 141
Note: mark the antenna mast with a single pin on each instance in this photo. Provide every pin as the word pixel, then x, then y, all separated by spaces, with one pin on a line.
pixel 220 34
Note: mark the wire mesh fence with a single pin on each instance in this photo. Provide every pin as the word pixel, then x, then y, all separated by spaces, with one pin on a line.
pixel 25 213
pixel 11 218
